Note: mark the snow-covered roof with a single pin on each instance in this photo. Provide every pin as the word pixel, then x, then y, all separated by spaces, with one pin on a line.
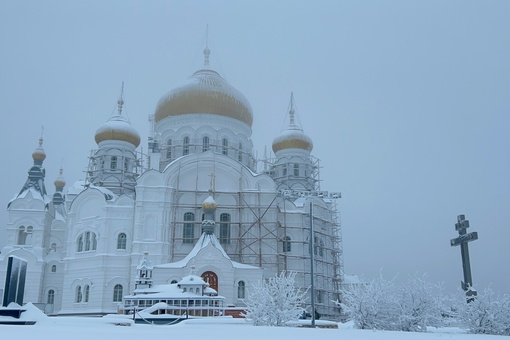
pixel 204 241
pixel 35 195
pixel 144 263
pixel 209 291
pixel 192 280
pixel 76 188
pixel 106 192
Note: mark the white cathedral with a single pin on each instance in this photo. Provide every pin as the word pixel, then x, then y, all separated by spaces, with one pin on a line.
pixel 84 244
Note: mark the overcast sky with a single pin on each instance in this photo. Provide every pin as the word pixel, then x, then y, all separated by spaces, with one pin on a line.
pixel 407 103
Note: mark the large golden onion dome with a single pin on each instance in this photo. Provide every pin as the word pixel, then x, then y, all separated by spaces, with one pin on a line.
pixel 118 127
pixel 293 136
pixel 205 92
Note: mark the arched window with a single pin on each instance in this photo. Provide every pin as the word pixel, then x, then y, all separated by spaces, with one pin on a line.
pixel 224 146
pixel 22 236
pixel 80 243
pixel 54 269
pixel 51 296
pixel 284 170
pixel 173 282
pixel 121 241
pixel 86 291
pixel 188 230
pixel 225 228
pixel 197 291
pixel 185 289
pixel 185 146
pixel 169 148
pixel 241 290
pixel 117 293
pixel 240 154
pixel 287 246
pixel 94 241
pixel 30 231
pixel 205 143
pixel 296 169
pixel 113 163
pixel 79 295
pixel 321 248
pixel 126 164
pixel 87 241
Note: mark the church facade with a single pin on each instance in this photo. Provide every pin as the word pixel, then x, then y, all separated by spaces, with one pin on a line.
pixel 83 243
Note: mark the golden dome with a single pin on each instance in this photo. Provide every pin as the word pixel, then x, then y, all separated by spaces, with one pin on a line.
pixel 209 204
pixel 60 181
pixel 39 154
pixel 292 139
pixel 293 136
pixel 118 128
pixel 205 92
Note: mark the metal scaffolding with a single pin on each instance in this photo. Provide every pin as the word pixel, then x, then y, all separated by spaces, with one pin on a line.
pixel 265 231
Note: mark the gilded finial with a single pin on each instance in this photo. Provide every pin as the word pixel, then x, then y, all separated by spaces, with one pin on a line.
pixel 120 102
pixel 41 138
pixel 291 111
pixel 207 52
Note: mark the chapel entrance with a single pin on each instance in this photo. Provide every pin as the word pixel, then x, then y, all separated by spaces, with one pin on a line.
pixel 212 279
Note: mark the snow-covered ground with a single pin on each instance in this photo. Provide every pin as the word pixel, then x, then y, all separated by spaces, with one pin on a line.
pixel 88 328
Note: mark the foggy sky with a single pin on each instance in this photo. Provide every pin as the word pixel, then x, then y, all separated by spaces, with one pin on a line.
pixel 407 103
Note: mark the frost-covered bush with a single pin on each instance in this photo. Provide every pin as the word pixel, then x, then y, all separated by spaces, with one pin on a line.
pixel 420 304
pixel 371 305
pixel 275 301
pixel 382 304
pixel 486 314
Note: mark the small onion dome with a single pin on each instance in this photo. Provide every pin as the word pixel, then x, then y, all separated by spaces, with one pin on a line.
pixel 60 181
pixel 39 154
pixel 118 128
pixel 292 138
pixel 209 204
pixel 205 92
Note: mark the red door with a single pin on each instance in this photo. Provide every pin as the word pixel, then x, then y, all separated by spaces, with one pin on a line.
pixel 212 279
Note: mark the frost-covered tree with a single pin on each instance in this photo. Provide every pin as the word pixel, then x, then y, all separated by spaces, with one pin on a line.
pixel 420 304
pixel 275 301
pixel 486 314
pixel 382 304
pixel 371 305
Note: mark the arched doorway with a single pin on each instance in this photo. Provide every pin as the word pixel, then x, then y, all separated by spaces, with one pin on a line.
pixel 212 279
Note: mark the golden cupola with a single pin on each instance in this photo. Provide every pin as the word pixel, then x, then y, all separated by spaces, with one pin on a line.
pixel 118 128
pixel 205 92
pixel 60 182
pixel 39 154
pixel 292 137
